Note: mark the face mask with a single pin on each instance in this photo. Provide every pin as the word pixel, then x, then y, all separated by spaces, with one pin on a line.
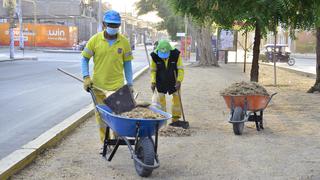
pixel 112 31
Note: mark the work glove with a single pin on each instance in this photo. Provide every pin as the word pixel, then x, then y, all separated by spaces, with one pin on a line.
pixel 153 86
pixel 87 83
pixel 178 85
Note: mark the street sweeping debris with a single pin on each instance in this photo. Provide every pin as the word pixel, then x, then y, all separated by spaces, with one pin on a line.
pixel 142 113
pixel 244 88
pixel 170 131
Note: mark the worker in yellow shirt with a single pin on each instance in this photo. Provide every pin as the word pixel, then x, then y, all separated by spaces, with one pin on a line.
pixel 112 57
pixel 166 75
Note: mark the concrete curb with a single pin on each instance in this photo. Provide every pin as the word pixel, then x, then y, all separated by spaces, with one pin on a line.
pixel 283 68
pixel 22 157
pixel 62 51
pixel 19 59
pixel 294 71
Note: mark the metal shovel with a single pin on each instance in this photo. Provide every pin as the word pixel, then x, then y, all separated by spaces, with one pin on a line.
pixel 184 124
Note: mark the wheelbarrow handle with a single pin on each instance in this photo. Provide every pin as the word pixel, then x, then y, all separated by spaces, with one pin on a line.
pixel 273 95
pixel 94 99
pixel 77 78
pixel 270 99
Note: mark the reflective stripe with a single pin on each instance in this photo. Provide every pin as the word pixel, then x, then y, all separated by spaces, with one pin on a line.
pixel 128 54
pixel 180 67
pixel 88 51
pixel 153 69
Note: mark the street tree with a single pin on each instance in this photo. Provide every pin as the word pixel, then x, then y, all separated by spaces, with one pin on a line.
pixel 305 15
pixel 260 16
pixel 200 13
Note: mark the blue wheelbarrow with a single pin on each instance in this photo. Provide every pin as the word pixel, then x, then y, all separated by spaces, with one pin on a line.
pixel 140 133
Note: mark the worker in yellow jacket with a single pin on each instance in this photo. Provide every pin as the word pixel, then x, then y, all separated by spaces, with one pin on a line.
pixel 112 55
pixel 166 76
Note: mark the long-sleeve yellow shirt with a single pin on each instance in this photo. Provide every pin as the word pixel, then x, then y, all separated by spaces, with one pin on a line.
pixel 179 66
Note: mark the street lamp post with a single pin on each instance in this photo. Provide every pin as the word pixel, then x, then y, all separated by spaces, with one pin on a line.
pixel 11 5
pixel 186 36
pixel 35 19
pixel 91 19
pixel 99 18
pixel 21 37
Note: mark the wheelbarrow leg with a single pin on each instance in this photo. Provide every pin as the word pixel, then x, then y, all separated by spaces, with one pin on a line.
pixel 114 150
pixel 261 120
pixel 156 139
pixel 257 121
pixel 105 143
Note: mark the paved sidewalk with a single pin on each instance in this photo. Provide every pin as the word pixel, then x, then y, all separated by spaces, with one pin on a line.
pixel 288 148
pixel 17 58
pixel 61 51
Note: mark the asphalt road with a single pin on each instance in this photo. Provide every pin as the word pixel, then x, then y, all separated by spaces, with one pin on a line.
pixel 35 96
pixel 302 64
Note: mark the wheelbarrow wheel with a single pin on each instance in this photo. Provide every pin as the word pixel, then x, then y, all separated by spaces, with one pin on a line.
pixel 145 153
pixel 238 116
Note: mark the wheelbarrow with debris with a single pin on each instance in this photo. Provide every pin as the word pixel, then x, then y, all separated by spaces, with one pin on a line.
pixel 244 108
pixel 138 132
pixel 142 133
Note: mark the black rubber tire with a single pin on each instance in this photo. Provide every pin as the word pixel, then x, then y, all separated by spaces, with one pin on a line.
pixel 145 152
pixel 238 116
pixel 291 62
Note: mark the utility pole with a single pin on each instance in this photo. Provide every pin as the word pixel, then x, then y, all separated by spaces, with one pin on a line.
pixel 11 5
pixel 21 37
pixel 34 21
pixel 91 19
pixel 274 56
pixel 186 36
pixel 99 18
pixel 245 51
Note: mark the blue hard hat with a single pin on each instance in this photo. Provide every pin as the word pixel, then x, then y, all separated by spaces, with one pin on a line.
pixel 112 16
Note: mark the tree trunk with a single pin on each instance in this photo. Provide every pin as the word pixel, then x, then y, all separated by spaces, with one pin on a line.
pixel 316 86
pixel 254 75
pixel 203 39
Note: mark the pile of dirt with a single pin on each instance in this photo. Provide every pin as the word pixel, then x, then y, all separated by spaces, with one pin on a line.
pixel 170 131
pixel 142 113
pixel 244 88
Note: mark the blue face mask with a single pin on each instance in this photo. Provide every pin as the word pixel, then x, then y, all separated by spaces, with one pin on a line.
pixel 112 31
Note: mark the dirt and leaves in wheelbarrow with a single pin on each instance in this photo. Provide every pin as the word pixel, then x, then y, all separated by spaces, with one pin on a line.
pixel 246 101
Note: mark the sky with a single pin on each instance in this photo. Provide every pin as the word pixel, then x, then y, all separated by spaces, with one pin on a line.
pixel 129 6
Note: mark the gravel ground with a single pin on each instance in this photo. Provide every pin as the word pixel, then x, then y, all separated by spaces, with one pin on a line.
pixel 288 147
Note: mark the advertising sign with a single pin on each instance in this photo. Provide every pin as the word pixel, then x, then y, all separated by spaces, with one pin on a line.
pixel 41 35
pixel 227 40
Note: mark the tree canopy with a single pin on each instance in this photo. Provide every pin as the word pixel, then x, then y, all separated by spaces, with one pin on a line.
pixel 171 22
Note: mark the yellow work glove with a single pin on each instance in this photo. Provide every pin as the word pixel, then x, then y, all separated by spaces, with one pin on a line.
pixel 87 83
